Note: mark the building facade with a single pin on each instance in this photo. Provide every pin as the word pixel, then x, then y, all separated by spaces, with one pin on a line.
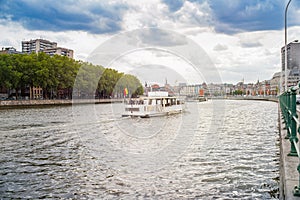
pixel 190 90
pixel 293 56
pixel 59 51
pixel 275 83
pixel 293 62
pixel 46 46
pixel 37 45
pixel 36 92
pixel 9 50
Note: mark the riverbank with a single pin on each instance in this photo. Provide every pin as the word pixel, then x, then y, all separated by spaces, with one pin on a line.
pixel 255 98
pixel 57 102
pixel 54 102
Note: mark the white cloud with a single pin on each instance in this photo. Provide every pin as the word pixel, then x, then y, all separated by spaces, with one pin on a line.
pixel 81 42
pixel 220 47
pixel 193 14
pixel 239 61
pixel 155 14
pixel 154 65
pixel 230 53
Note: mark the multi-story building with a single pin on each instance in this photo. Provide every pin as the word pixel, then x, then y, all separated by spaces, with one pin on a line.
pixel 275 83
pixel 37 45
pixel 293 65
pixel 190 90
pixel 41 45
pixel 293 77
pixel 59 51
pixel 249 90
pixel 293 56
pixel 9 50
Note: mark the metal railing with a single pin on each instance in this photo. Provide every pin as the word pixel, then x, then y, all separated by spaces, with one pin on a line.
pixel 288 108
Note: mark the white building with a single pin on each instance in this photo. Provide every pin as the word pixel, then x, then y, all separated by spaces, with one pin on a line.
pixel 41 45
pixel 37 45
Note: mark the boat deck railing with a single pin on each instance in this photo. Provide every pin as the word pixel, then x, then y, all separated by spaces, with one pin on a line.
pixel 134 102
pixel 289 111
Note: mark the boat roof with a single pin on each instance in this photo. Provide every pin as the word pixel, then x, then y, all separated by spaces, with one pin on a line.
pixel 156 97
pixel 158 94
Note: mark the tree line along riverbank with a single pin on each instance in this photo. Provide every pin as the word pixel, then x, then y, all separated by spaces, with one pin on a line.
pixel 61 77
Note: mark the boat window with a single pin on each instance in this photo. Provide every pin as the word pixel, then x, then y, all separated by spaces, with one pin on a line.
pixel 165 102
pixel 150 101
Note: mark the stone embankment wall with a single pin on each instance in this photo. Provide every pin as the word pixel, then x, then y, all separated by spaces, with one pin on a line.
pixel 16 103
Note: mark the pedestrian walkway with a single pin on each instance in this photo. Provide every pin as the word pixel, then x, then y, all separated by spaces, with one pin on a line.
pixel 289 177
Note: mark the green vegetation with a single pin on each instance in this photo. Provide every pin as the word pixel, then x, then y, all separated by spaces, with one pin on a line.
pixel 238 92
pixel 61 76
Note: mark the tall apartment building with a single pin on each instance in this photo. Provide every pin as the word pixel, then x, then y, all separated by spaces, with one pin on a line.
pixel 293 63
pixel 50 48
pixel 37 45
pixel 293 56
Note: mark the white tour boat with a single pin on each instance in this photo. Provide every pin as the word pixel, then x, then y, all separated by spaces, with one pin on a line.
pixel 155 104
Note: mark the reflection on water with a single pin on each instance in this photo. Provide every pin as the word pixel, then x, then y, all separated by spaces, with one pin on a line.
pixel 214 150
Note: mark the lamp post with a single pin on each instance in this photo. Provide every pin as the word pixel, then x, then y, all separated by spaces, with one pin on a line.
pixel 285 47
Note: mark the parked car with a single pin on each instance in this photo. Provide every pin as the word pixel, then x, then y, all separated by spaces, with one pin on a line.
pixel 298 99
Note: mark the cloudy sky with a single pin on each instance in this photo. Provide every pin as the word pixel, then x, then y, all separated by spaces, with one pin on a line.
pixel 241 38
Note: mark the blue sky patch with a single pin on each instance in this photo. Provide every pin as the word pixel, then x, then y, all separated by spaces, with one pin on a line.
pixel 173 5
pixel 46 15
pixel 254 15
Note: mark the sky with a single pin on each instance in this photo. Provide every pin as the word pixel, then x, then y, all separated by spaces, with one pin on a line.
pixel 242 39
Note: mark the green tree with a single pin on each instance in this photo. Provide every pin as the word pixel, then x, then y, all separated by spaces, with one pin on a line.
pixel 130 82
pixel 61 74
pixel 107 82
pixel 87 79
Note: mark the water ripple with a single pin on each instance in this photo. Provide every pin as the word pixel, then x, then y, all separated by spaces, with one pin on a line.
pixel 91 153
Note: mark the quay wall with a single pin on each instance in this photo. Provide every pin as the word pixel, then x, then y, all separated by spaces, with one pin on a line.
pixel 255 98
pixel 47 102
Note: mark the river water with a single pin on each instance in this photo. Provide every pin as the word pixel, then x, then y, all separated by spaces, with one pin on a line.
pixel 214 150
